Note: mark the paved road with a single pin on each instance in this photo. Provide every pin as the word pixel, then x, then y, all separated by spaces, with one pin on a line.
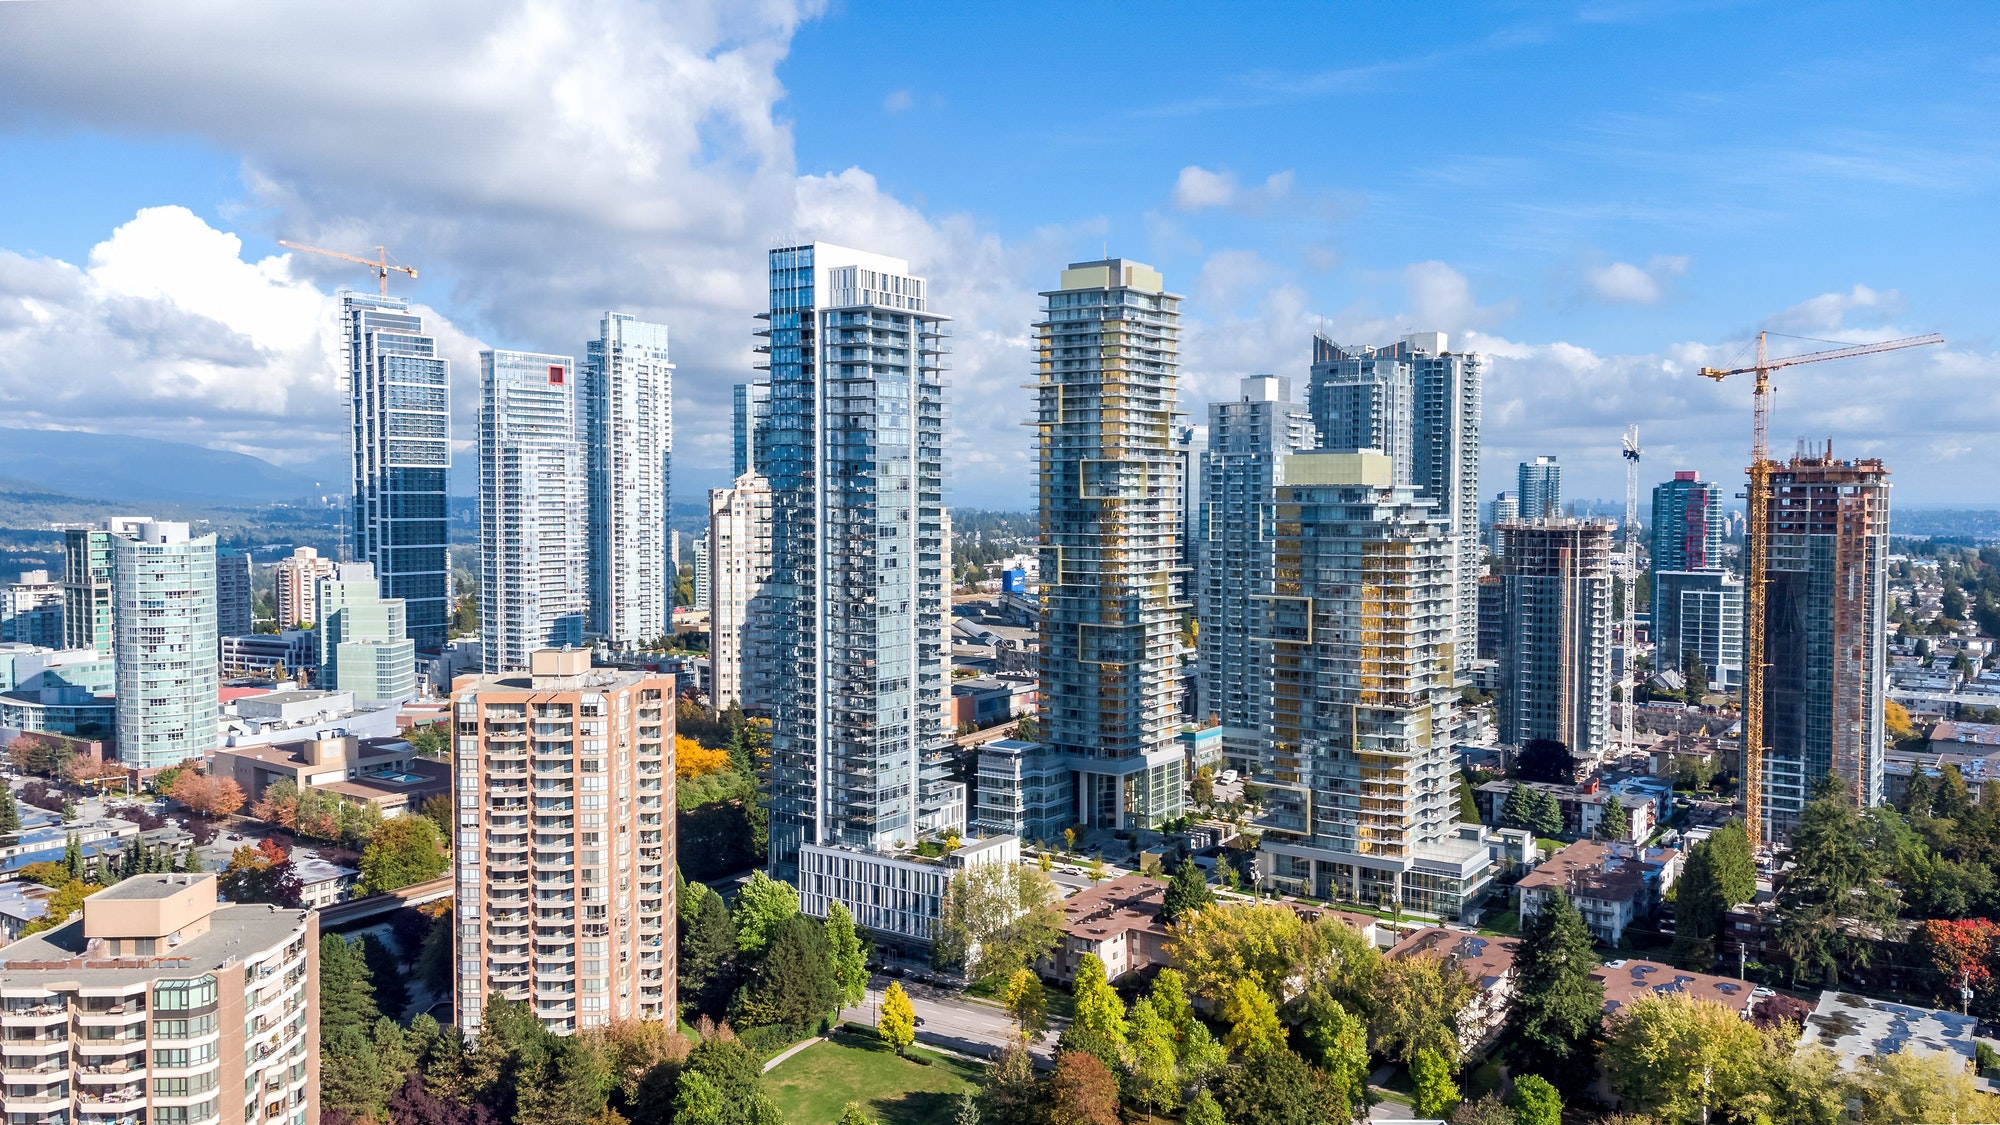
pixel 949 1019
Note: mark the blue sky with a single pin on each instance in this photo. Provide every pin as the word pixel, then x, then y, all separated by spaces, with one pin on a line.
pixel 1598 197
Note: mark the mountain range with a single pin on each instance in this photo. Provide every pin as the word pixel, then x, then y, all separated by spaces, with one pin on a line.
pixel 132 469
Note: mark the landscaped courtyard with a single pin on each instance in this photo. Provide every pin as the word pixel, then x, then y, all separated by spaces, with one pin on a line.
pixel 813 1086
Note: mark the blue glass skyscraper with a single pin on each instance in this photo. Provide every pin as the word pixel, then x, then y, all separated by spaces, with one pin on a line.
pixel 399 407
pixel 858 585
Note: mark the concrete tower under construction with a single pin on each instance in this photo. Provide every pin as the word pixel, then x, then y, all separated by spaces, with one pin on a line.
pixel 1825 629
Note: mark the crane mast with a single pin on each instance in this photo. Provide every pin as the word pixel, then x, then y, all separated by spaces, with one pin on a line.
pixel 1629 681
pixel 1758 551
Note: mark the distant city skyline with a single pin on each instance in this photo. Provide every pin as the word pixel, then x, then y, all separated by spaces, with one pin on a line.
pixel 1594 256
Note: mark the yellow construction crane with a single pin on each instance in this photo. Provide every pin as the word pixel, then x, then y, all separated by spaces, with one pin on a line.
pixel 379 265
pixel 1757 543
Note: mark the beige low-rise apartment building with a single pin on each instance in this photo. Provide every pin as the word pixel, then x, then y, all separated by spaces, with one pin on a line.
pixel 563 842
pixel 1613 885
pixel 385 772
pixel 1117 921
pixel 161 1005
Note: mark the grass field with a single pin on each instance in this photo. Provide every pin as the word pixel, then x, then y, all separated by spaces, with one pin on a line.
pixel 814 1085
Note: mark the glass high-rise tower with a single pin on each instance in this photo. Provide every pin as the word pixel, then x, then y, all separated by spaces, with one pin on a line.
pixel 1249 440
pixel 399 407
pixel 362 638
pixel 751 429
pixel 168 668
pixel 1358 764
pixel 532 592
pixel 628 431
pixel 1541 488
pixel 858 590
pixel 87 562
pixel 1696 605
pixel 1418 402
pixel 1111 519
pixel 1687 523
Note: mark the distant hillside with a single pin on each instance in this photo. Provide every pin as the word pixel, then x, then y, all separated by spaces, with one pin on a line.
pixel 135 470
pixel 25 506
pixel 1978 525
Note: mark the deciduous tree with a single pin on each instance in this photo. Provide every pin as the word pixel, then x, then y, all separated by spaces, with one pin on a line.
pixel 692 759
pixel 1277 1088
pixel 205 794
pixel 762 906
pixel 850 961
pixel 1202 1109
pixel 1488 1110
pixel 1012 1094
pixel 1232 941
pixel 1535 1102
pixel 898 1022
pixel 1098 1026
pixel 1922 1086
pixel 67 900
pixel 996 918
pixel 1082 1091
pixel 1430 1079
pixel 1027 1002
pixel 1155 1081
pixel 1254 1027
pixel 1961 950
pixel 260 873
pixel 1675 1057
pixel 1418 1001
pixel 403 852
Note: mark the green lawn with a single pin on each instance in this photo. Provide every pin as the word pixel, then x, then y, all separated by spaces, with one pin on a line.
pixel 814 1085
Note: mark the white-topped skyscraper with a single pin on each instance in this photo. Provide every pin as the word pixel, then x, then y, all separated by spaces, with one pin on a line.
pixel 532 508
pixel 164 643
pixel 1418 402
pixel 1111 519
pixel 860 759
pixel 1249 440
pixel 628 434
pixel 399 408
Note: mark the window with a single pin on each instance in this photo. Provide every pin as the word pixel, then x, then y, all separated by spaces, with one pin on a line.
pixel 183 995
pixel 184 1115
pixel 182 1087
pixel 184 1029
pixel 178 1057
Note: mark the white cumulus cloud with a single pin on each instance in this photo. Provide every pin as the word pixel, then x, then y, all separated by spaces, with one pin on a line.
pixel 1197 188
